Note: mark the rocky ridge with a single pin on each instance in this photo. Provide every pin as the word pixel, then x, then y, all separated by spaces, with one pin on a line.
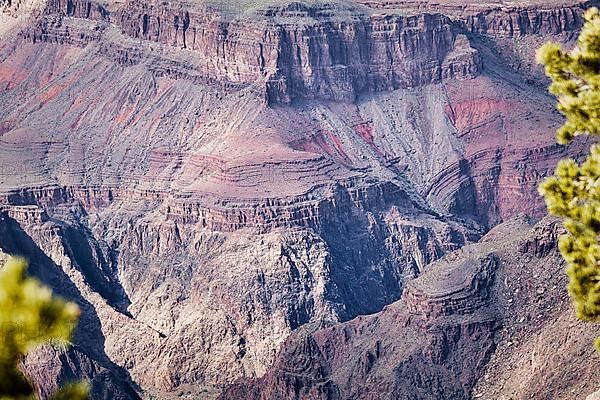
pixel 431 344
pixel 301 51
pixel 206 185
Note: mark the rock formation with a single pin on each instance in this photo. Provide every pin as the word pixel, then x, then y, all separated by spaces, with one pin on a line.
pixel 207 181
pixel 460 331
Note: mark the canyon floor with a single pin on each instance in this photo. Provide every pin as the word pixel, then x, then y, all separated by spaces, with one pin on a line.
pixel 292 200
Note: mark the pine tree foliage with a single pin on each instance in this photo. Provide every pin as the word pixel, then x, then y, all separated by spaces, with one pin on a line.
pixel 30 316
pixel 574 191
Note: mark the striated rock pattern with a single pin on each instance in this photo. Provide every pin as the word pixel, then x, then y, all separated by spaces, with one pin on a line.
pixel 274 286
pixel 294 51
pixel 330 52
pixel 431 344
pixel 458 288
pixel 22 231
pixel 206 182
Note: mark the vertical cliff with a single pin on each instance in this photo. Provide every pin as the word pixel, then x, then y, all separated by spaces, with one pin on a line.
pixel 208 185
pixel 476 304
pixel 326 58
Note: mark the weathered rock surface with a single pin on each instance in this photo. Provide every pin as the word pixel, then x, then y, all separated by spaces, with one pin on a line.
pixel 303 51
pixel 435 344
pixel 205 181
pixel 291 51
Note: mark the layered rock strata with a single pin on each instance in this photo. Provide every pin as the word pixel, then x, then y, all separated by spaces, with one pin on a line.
pixel 327 58
pixel 434 344
pixel 204 185
pixel 304 51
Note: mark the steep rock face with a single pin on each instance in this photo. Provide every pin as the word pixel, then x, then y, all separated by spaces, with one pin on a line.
pixel 438 295
pixel 157 169
pixel 513 22
pixel 259 287
pixel 377 55
pixel 326 58
pixel 434 343
pixel 302 51
pixel 28 231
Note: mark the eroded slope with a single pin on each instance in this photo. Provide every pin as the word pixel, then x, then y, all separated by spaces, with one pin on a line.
pixel 204 183
pixel 500 299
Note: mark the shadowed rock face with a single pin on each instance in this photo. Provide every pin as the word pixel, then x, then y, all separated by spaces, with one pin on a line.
pixel 207 182
pixel 302 51
pixel 483 302
pixel 289 51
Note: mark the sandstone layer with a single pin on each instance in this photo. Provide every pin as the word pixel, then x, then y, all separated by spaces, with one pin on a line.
pixel 205 179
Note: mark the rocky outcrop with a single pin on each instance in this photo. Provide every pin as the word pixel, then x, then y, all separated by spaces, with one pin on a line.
pixel 515 21
pixel 444 315
pixel 25 215
pixel 289 58
pixel 292 280
pixel 338 207
pixel 458 288
pixel 156 164
pixel 370 56
pixel 63 266
pixel 325 59
pixel 434 343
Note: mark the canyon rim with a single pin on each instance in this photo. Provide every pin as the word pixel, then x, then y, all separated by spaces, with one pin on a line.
pixel 283 199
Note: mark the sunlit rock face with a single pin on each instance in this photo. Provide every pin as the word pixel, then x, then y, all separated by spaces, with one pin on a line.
pixel 207 179
pixel 461 330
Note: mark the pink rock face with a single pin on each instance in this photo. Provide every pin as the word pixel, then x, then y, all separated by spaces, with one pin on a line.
pixel 206 184
pixel 330 59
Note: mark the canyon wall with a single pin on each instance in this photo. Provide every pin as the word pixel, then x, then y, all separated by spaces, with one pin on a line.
pixel 489 300
pixel 208 186
pixel 328 58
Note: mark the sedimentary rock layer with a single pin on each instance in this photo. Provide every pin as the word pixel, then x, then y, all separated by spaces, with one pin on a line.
pixel 303 51
pixel 434 343
pixel 205 184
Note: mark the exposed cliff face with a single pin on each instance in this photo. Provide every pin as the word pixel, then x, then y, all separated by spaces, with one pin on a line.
pixel 435 343
pixel 54 259
pixel 259 287
pixel 186 179
pixel 514 22
pixel 456 148
pixel 306 52
pixel 326 58
pixel 338 62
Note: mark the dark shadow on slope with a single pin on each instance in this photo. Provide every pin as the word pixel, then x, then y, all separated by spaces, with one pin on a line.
pixel 369 262
pixel 94 265
pixel 115 382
